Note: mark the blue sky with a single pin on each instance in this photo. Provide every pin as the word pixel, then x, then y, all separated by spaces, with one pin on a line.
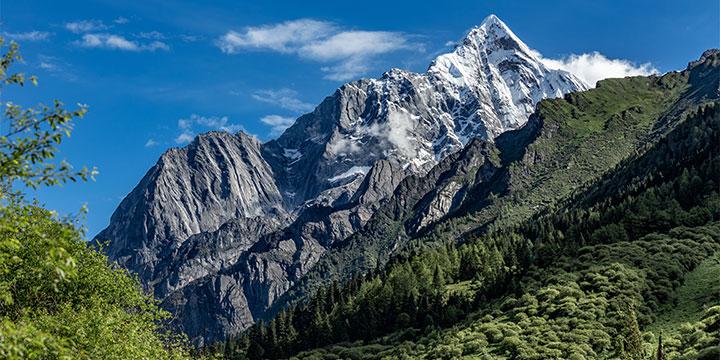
pixel 155 73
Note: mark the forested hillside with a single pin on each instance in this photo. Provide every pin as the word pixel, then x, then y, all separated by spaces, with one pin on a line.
pixel 566 145
pixel 599 273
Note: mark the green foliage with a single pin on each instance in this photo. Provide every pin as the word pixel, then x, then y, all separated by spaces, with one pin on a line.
pixel 33 135
pixel 629 343
pixel 83 311
pixel 577 309
pixel 59 298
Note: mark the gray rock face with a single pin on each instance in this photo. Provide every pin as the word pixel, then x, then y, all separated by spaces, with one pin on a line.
pixel 223 227
pixel 216 178
pixel 705 55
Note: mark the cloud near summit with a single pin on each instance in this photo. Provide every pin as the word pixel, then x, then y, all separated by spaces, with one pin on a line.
pixel 595 66
pixel 346 53
pixel 195 124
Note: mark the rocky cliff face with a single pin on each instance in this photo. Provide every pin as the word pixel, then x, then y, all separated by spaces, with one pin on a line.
pixel 216 178
pixel 221 228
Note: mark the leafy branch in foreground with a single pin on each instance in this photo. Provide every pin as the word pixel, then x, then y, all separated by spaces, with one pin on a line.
pixel 59 297
pixel 33 135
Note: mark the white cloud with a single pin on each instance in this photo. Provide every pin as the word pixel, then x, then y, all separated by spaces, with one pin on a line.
pixel 351 68
pixel 155 45
pixel 84 26
pixel 595 66
pixel 150 143
pixel 350 44
pixel 152 35
pixel 398 130
pixel 121 20
pixel 28 36
pixel 48 66
pixel 286 37
pixel 184 137
pixel 56 67
pixel 450 43
pixel 196 124
pixel 284 98
pixel 278 123
pixel 116 42
pixel 48 63
pixel 190 38
pixel 342 145
pixel 349 51
pixel 397 134
pixel 218 123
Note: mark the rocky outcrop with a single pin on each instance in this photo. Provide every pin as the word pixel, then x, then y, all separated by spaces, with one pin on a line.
pixel 218 177
pixel 707 54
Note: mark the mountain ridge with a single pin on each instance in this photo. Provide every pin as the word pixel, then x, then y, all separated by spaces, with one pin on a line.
pixel 554 154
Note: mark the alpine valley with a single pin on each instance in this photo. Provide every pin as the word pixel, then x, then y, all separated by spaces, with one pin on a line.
pixel 488 208
pixel 221 228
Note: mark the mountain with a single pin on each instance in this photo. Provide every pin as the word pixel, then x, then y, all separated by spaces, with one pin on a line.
pixel 221 228
pixel 593 232
pixel 566 144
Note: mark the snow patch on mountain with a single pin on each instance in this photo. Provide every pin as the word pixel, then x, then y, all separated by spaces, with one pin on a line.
pixel 353 171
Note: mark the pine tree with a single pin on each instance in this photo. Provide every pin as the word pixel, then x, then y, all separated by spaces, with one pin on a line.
pixel 212 348
pixel 229 351
pixel 630 340
pixel 661 348
pixel 255 351
pixel 438 281
pixel 241 343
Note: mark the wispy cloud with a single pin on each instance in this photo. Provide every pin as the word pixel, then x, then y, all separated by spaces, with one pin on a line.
pixel 277 123
pixel 286 37
pixel 595 66
pixel 117 42
pixel 84 26
pixel 195 124
pixel 55 66
pixel 49 63
pixel 48 66
pixel 152 35
pixel 121 20
pixel 150 143
pixel 284 98
pixel 349 44
pixel 190 38
pixel 28 36
pixel 349 52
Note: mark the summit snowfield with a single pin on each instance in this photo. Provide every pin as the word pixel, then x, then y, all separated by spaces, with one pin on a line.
pixel 221 228
pixel 491 66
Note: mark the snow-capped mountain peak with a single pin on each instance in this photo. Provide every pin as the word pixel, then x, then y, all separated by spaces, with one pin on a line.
pixel 367 136
pixel 492 65
pixel 487 85
pixel 493 31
